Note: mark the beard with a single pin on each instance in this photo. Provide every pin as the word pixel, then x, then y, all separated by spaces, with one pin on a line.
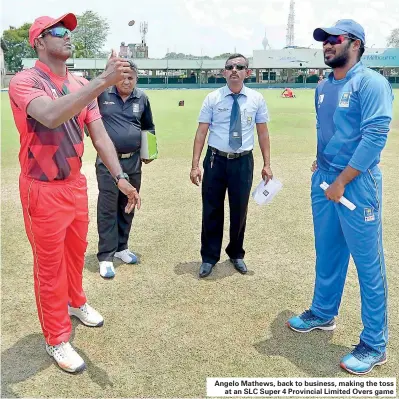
pixel 61 53
pixel 340 60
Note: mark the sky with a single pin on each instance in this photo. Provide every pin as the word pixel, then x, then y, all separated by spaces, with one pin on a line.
pixel 213 27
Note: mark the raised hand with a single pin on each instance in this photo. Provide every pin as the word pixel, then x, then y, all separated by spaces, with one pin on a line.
pixel 116 69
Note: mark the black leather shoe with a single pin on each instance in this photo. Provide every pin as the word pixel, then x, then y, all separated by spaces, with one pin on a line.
pixel 239 265
pixel 205 269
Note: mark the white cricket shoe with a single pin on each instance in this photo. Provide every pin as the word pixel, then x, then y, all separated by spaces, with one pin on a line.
pixel 87 315
pixel 126 256
pixel 66 357
pixel 107 269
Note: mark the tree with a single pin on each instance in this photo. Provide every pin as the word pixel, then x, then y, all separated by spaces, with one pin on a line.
pixel 178 56
pixel 223 56
pixel 90 35
pixel 79 50
pixel 393 39
pixel 181 56
pixel 104 54
pixel 18 47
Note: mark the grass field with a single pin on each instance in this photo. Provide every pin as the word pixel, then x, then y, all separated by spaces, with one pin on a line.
pixel 165 330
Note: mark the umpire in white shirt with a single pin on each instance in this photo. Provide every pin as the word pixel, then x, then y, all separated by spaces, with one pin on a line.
pixel 230 114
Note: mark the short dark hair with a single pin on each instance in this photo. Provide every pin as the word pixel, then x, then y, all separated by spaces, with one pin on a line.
pixel 353 38
pixel 133 66
pixel 238 55
pixel 361 52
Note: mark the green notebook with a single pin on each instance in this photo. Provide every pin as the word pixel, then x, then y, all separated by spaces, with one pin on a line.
pixel 149 148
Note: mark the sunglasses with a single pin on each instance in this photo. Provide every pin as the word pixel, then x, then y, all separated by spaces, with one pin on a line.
pixel 239 67
pixel 333 40
pixel 58 31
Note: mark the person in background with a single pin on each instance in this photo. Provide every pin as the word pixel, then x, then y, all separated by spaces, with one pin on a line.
pixel 126 111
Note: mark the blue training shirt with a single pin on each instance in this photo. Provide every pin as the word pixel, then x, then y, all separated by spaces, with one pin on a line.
pixel 353 116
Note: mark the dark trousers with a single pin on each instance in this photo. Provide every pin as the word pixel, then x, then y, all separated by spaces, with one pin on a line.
pixel 113 223
pixel 235 176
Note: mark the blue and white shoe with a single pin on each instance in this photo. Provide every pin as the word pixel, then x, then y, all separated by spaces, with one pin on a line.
pixel 107 269
pixel 308 321
pixel 126 256
pixel 362 359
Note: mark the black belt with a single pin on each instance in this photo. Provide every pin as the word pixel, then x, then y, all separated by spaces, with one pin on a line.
pixel 128 155
pixel 229 155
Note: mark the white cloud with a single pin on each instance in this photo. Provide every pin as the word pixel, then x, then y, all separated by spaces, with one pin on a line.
pixel 220 16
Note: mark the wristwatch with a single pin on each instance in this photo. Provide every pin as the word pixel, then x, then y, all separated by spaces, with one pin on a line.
pixel 121 176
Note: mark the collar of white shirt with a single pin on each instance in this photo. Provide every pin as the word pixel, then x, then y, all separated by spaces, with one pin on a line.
pixel 227 91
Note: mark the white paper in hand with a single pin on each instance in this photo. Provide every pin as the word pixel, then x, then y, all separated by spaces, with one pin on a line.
pixel 343 200
pixel 263 194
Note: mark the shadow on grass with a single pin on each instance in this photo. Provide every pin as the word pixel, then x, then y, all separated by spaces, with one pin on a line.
pixel 28 357
pixel 219 271
pixel 311 352
pixel 91 262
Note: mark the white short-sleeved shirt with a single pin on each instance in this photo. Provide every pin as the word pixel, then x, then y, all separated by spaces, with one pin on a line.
pixel 216 111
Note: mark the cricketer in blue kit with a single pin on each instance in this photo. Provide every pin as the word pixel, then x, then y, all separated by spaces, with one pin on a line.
pixel 353 112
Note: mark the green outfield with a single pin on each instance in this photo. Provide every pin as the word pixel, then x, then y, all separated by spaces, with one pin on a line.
pixel 165 330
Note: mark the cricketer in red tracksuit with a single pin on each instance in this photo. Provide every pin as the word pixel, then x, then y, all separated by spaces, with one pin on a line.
pixel 54 196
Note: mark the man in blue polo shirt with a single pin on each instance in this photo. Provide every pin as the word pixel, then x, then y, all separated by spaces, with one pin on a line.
pixel 353 112
pixel 230 114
